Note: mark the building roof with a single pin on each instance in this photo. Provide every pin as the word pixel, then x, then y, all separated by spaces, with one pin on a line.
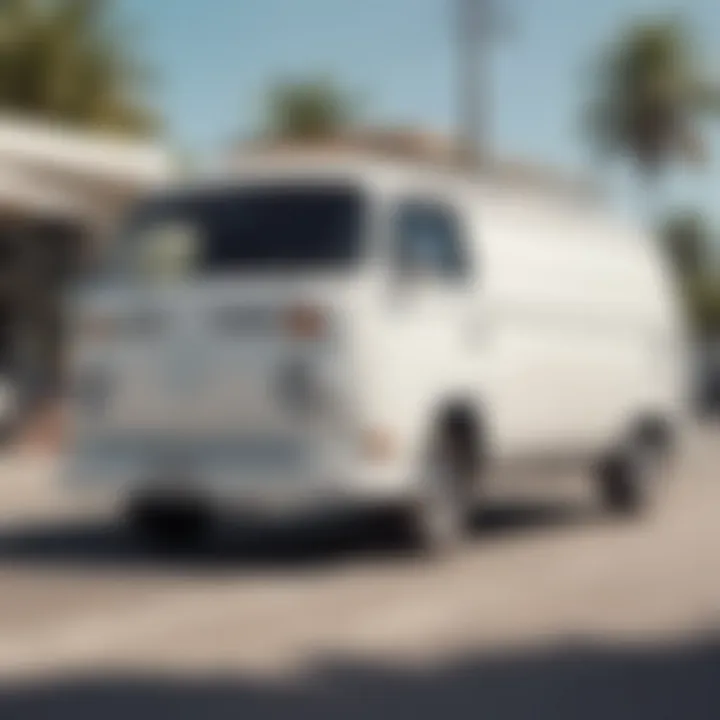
pixel 31 142
pixel 428 149
pixel 48 168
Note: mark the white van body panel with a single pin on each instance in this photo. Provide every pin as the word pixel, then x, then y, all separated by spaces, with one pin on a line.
pixel 581 324
pixel 563 334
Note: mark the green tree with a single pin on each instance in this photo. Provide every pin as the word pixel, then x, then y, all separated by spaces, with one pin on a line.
pixel 686 237
pixel 703 301
pixel 308 110
pixel 70 61
pixel 648 98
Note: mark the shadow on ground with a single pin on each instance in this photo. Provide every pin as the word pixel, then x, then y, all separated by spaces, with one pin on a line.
pixel 583 682
pixel 100 545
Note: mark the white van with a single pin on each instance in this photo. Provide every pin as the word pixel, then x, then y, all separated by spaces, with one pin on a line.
pixel 341 333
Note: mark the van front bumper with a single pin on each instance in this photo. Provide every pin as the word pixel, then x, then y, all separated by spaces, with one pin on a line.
pixel 224 487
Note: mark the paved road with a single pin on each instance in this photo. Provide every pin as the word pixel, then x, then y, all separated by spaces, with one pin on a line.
pixel 552 610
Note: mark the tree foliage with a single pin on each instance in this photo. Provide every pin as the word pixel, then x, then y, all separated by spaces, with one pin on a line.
pixel 688 240
pixel 69 61
pixel 648 96
pixel 703 302
pixel 308 110
pixel 686 237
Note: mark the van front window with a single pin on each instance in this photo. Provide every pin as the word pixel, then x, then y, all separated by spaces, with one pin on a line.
pixel 251 228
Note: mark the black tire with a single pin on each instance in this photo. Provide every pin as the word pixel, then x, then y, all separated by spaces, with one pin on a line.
pixel 628 478
pixel 438 518
pixel 168 525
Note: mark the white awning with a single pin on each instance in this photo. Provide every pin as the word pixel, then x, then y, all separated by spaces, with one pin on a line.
pixel 23 192
pixel 36 144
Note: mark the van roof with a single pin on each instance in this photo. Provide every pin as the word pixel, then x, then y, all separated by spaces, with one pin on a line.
pixel 515 178
pixel 502 191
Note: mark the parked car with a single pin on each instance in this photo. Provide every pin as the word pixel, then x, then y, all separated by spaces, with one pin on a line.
pixel 325 334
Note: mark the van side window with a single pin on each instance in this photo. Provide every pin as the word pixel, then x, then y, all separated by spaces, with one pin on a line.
pixel 428 240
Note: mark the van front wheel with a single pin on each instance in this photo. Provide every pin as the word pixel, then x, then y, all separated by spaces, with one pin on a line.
pixel 167 524
pixel 439 515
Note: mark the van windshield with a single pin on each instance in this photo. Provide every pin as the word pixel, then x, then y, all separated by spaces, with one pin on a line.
pixel 250 228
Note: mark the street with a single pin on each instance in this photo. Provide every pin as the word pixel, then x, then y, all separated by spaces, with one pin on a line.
pixel 552 610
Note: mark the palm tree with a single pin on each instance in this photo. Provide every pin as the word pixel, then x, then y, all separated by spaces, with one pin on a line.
pixel 648 98
pixel 68 61
pixel 687 239
pixel 308 110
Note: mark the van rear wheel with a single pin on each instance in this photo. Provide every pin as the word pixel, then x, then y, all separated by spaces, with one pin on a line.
pixel 627 479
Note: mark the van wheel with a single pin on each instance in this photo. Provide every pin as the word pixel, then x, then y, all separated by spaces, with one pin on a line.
pixel 167 525
pixel 627 479
pixel 438 518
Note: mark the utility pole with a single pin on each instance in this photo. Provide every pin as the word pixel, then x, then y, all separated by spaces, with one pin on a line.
pixel 477 29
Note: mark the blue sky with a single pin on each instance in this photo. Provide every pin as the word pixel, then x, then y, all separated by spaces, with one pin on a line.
pixel 215 58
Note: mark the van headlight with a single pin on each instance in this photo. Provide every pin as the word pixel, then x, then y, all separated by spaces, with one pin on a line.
pixel 308 323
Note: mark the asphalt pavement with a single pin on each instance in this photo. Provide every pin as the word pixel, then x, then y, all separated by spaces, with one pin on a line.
pixel 551 610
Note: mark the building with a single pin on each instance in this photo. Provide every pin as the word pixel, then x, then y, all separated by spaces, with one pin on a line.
pixel 60 191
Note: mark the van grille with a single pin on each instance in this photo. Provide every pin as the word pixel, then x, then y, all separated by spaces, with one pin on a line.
pixel 246 321
pixel 180 451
